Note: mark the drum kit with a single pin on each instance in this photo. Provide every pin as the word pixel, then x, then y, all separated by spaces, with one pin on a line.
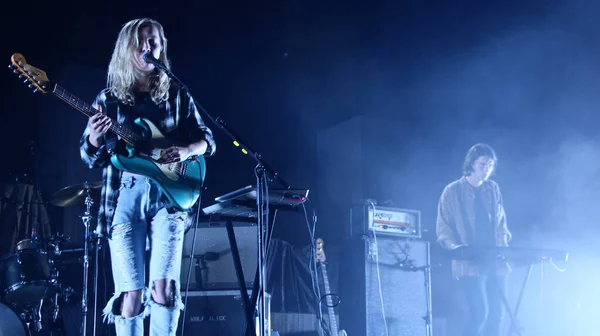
pixel 31 295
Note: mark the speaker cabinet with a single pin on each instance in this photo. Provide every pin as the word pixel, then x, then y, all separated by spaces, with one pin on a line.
pixel 384 285
pixel 217 313
pixel 212 266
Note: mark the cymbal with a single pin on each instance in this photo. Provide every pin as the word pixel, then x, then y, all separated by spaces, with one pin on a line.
pixel 76 194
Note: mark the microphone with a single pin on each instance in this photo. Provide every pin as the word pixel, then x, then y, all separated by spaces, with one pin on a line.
pixel 148 58
pixel 151 60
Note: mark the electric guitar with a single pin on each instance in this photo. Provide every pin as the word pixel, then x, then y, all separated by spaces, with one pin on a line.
pixel 181 182
pixel 321 259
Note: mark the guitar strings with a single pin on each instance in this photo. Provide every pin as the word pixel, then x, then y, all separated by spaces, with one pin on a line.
pixel 78 104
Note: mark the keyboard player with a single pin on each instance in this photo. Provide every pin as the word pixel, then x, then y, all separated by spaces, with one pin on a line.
pixel 470 215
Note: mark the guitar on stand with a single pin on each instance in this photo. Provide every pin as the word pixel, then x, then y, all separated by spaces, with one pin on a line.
pixel 321 259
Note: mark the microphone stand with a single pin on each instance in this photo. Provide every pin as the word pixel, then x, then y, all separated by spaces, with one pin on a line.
pixel 262 172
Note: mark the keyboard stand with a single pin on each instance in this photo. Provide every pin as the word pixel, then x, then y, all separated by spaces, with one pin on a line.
pixel 235 255
pixel 514 324
pixel 240 204
pixel 523 256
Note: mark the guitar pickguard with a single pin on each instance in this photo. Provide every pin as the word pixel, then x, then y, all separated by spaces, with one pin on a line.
pixel 170 170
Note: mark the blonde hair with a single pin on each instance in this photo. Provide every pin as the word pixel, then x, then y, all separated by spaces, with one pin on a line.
pixel 122 76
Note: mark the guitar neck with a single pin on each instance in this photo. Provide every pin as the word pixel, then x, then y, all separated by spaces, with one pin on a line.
pixel 332 321
pixel 83 107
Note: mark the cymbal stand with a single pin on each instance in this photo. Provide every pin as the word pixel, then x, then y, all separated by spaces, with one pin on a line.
pixel 86 218
pixel 98 246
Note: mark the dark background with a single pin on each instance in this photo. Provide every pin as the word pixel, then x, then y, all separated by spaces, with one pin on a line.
pixel 426 80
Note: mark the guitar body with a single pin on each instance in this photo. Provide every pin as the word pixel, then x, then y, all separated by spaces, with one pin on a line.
pixel 181 182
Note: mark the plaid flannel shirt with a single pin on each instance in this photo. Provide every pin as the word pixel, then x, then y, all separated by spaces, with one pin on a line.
pixel 456 221
pixel 181 121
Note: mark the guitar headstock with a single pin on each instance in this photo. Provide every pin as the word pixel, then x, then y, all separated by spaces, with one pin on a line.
pixel 37 79
pixel 320 252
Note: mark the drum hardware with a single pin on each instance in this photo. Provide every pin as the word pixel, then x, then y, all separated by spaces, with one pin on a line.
pixel 54 241
pixel 30 298
pixel 29 283
pixel 79 194
pixel 86 218
pixel 27 276
pixel 37 316
pixel 27 244
pixel 32 294
pixel 13 323
pixel 33 315
pixel 98 246
pixel 56 309
pixel 33 240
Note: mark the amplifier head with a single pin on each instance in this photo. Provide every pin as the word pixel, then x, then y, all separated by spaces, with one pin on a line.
pixel 366 218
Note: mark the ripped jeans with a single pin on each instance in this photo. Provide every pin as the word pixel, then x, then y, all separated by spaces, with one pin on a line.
pixel 139 223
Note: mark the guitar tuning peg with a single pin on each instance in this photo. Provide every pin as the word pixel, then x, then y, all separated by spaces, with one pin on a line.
pixel 10 66
pixel 20 76
pixel 15 71
pixel 30 86
pixel 35 90
pixel 26 80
